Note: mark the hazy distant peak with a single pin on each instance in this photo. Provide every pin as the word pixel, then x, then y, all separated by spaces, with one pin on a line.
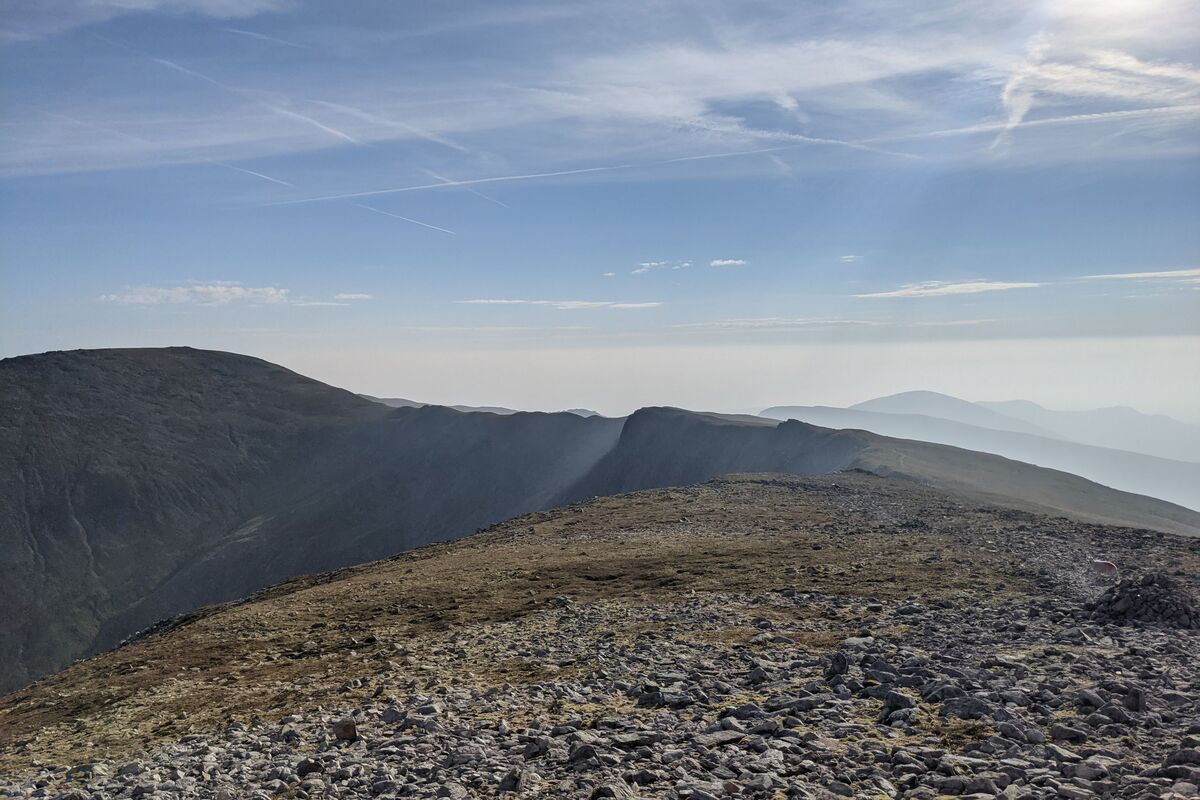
pixel 918 395
pixel 944 406
pixel 1011 405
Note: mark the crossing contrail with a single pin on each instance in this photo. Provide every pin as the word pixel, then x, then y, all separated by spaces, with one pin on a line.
pixel 475 192
pixel 444 184
pixel 376 119
pixel 805 141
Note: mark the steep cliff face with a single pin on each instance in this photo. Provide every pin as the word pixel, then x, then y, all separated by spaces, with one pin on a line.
pixel 116 466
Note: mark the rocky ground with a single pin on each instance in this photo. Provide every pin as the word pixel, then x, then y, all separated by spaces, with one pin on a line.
pixel 756 637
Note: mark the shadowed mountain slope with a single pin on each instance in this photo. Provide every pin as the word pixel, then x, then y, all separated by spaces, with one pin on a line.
pixel 138 484
pixel 1173 481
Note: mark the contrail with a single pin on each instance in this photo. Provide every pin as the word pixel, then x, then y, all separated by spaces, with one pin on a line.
pixel 397 216
pixel 148 143
pixel 375 119
pixel 309 120
pixel 442 185
pixel 180 68
pixel 266 38
pixel 250 172
pixel 799 138
pixel 989 127
pixel 284 112
pixel 730 154
pixel 475 192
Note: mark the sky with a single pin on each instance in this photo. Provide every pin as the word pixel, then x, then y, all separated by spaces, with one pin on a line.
pixel 611 204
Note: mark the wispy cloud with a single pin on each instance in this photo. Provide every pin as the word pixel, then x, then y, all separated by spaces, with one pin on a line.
pixel 774 324
pixel 608 274
pixel 213 293
pixel 945 288
pixel 1169 274
pixel 751 324
pixel 34 19
pixel 948 323
pixel 1058 68
pixel 727 262
pixel 646 266
pixel 223 293
pixel 850 259
pixel 801 83
pixel 649 266
pixel 562 305
pixel 781 166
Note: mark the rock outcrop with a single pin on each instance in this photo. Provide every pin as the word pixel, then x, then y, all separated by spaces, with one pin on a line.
pixel 1153 599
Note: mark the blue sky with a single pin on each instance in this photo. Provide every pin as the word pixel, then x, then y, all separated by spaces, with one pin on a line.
pixel 616 203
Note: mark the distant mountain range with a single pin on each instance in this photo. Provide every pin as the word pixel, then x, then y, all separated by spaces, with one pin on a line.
pixel 1072 441
pixel 138 484
pixel 1118 428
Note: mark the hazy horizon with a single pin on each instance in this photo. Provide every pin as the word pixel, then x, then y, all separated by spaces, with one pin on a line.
pixel 617 381
pixel 664 377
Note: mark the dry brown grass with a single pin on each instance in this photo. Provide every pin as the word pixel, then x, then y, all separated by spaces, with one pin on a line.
pixel 953 733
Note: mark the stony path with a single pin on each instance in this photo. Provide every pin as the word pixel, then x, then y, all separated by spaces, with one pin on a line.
pixel 731 695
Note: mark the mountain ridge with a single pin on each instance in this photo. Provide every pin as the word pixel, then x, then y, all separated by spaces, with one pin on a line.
pixel 139 484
